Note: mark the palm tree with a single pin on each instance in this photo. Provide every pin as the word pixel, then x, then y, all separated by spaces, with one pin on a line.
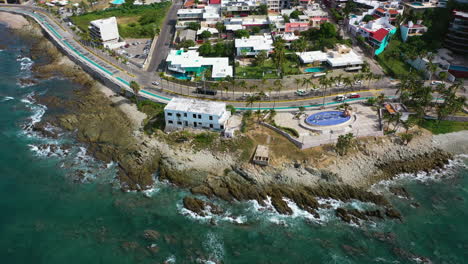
pixel 253 87
pixel 297 81
pixel 348 82
pixel 243 84
pixel 306 82
pixel 250 101
pixel 215 86
pixel 279 85
pixel 324 82
pixel 369 77
pixel 233 83
pixel 136 89
pixel 260 96
pixel 279 55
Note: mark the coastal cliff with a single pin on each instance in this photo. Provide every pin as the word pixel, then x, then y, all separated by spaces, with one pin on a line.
pixel 112 128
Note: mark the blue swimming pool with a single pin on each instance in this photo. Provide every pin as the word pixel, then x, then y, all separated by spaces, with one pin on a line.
pixel 327 118
pixel 458 68
pixel 118 2
pixel 314 69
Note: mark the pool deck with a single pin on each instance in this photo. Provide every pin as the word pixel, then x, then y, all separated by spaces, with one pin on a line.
pixel 366 124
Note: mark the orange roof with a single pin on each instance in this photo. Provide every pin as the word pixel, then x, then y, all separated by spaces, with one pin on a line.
pixel 390 109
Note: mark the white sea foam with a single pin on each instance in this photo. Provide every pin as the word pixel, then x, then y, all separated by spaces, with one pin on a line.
pixel 215 246
pixel 171 259
pixel 208 216
pixel 422 176
pixel 26 63
pixel 7 98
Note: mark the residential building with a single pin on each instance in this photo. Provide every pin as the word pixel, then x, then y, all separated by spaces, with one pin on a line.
pixel 410 30
pixel 239 7
pixel 457 37
pixel 194 14
pixel 233 24
pixel 106 31
pixel 186 34
pixel 183 113
pixel 188 64
pixel 253 45
pixel 422 64
pixel 377 32
pixel 296 27
pixel 340 57
pixel 274 5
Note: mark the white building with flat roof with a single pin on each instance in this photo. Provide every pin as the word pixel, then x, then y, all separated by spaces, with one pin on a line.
pixel 342 56
pixel 191 63
pixel 182 113
pixel 105 30
pixel 253 45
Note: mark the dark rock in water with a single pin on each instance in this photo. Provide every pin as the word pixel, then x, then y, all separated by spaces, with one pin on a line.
pixel 354 215
pixel 153 249
pixel 129 246
pixel 424 162
pixel 151 234
pixel 399 191
pixel 392 213
pixel 280 205
pixel 200 207
pixel 350 250
pixel 45 130
pixel 343 214
pixel 27 82
pixel 385 237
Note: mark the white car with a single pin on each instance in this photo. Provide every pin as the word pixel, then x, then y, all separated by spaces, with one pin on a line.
pixel 340 98
pixel 155 83
pixel 436 82
pixel 245 95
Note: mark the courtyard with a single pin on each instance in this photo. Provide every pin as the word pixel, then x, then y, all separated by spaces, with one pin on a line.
pixel 365 123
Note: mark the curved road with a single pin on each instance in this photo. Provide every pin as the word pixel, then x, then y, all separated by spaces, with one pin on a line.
pixel 285 100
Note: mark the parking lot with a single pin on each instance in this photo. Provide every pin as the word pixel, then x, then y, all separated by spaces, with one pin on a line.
pixel 136 50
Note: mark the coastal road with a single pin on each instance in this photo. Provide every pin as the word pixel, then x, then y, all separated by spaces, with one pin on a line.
pixel 165 37
pixel 167 90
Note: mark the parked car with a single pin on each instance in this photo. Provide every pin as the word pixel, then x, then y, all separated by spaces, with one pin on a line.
pixel 301 92
pixel 155 83
pixel 340 98
pixel 206 91
pixel 245 95
pixel 354 95
pixel 436 82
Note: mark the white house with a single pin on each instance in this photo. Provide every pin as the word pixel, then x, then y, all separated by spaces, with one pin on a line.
pixel 182 113
pixel 106 31
pixel 190 63
pixel 253 45
pixel 341 56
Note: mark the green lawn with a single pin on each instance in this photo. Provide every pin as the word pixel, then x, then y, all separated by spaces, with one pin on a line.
pixel 256 72
pixel 444 126
pixel 134 21
pixel 391 62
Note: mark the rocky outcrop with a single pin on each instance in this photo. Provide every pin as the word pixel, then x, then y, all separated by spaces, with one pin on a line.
pixel 200 207
pixel 151 235
pixel 399 191
pixel 423 162
pixel 354 215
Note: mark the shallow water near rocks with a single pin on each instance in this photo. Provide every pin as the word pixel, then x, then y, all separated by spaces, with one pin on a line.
pixel 47 216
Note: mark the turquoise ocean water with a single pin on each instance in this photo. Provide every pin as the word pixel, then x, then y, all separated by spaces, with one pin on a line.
pixel 46 216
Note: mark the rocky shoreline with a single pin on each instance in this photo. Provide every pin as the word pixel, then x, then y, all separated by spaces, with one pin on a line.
pixel 109 126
